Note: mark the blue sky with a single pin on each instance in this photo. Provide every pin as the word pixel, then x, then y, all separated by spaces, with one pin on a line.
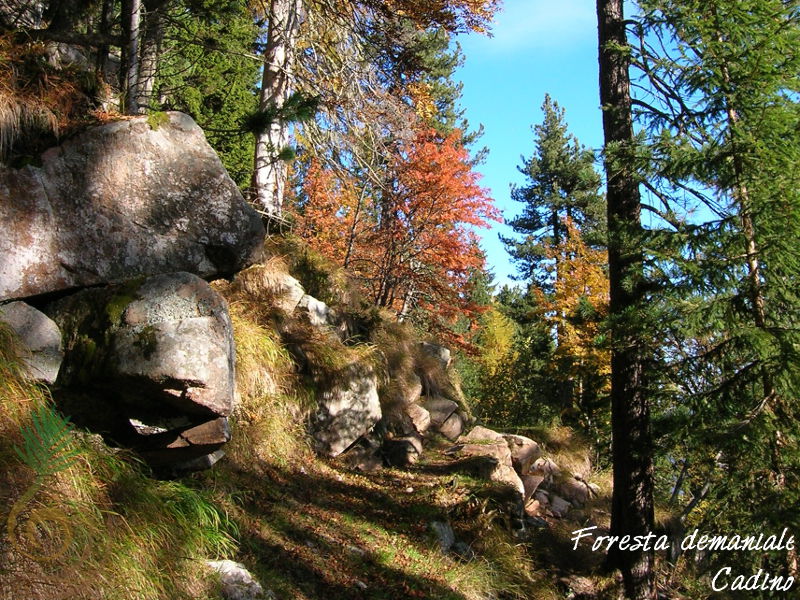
pixel 538 47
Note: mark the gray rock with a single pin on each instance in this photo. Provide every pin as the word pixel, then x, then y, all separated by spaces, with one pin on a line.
pixel 559 506
pixel 317 312
pixel 192 448
pixel 439 409
pixel 453 427
pixel 545 467
pixel 40 337
pixel 237 582
pixel 524 451
pixel 346 410
pixel 436 351
pixel 265 282
pixel 420 418
pixel 155 347
pixel 444 535
pixel 531 483
pixel 199 464
pixel 577 492
pixel 119 201
pixel 481 441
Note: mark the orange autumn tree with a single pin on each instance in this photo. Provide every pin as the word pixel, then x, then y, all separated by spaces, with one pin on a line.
pixel 575 310
pixel 411 241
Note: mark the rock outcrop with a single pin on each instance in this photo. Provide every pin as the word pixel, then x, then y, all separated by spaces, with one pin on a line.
pixel 40 336
pixel 119 201
pixel 347 409
pixel 157 350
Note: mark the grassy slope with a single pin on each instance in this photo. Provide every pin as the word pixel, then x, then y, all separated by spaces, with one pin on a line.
pixel 307 528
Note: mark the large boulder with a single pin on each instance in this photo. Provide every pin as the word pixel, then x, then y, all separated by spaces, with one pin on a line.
pixel 40 337
pixel 150 365
pixel 165 342
pixel 120 201
pixel 347 409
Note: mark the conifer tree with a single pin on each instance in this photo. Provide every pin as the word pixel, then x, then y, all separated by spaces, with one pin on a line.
pixel 562 183
pixel 722 110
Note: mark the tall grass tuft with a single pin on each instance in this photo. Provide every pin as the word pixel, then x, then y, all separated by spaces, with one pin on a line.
pixel 83 521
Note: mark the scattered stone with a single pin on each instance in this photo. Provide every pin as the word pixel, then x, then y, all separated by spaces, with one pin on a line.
pixel 453 426
pixel 481 441
pixel 319 314
pixel 524 452
pixel 542 497
pixel 533 520
pixel 420 418
pixel 483 434
pixel 346 410
pixel 531 484
pixel 546 468
pixel 577 492
pixel 199 464
pixel 444 534
pixel 439 410
pixel 119 201
pixel 265 282
pixel 192 443
pixel 533 508
pixel 402 452
pixel 436 351
pixel 41 338
pixel 237 582
pixel 360 585
pixel 413 391
pixel 558 506
pixel 364 456
pixel 356 550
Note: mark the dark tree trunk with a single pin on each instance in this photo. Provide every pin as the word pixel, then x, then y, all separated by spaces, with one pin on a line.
pixel 632 503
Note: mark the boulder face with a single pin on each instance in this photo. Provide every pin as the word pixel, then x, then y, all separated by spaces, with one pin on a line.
pixel 120 201
pixel 158 345
pixel 39 335
pixel 347 409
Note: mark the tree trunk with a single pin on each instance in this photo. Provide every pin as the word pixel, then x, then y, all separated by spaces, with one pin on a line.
pixel 269 174
pixel 150 53
pixel 632 502
pixel 132 19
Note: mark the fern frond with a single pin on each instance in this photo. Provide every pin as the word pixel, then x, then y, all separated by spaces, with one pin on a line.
pixel 46 442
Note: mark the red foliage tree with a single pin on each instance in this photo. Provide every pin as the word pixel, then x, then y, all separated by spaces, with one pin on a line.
pixel 411 242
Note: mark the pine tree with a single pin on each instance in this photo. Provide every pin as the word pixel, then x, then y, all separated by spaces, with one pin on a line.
pixel 562 183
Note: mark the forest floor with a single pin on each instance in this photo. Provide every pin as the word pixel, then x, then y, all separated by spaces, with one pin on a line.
pixel 324 531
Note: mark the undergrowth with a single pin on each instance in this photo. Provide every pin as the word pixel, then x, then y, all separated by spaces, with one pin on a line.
pixel 101 527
